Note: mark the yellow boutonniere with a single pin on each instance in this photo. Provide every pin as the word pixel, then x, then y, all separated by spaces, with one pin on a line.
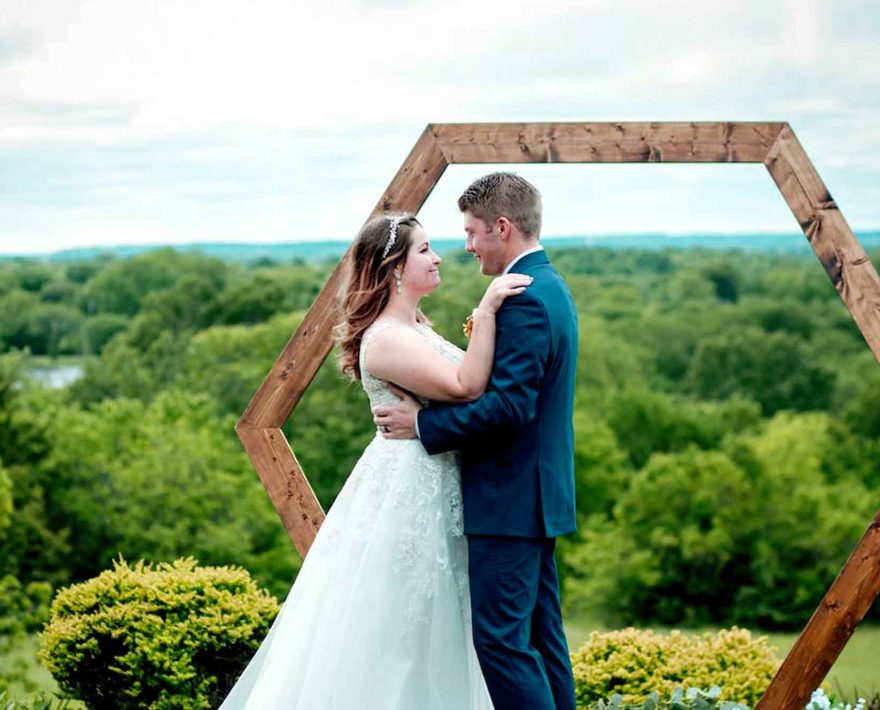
pixel 468 327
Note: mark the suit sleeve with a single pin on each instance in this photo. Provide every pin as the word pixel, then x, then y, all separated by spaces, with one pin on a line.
pixel 522 346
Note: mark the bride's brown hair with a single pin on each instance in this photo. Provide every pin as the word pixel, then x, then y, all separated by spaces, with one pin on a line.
pixel 370 280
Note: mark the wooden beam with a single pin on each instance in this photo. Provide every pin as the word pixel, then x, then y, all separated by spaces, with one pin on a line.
pixel 830 627
pixel 281 475
pixel 606 142
pixel 836 247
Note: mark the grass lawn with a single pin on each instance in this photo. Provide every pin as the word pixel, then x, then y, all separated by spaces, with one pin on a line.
pixel 857 668
pixel 24 655
pixel 38 678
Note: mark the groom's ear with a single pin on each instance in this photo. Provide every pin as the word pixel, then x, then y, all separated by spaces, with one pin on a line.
pixel 505 228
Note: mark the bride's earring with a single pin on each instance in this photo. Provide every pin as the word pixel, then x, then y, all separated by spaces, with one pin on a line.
pixel 397 281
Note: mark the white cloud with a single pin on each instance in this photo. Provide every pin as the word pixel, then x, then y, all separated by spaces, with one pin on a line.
pixel 304 111
pixel 197 65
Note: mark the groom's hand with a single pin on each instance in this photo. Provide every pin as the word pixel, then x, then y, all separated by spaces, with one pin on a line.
pixel 398 421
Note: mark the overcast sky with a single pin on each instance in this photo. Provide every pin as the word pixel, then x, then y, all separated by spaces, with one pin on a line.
pixel 126 122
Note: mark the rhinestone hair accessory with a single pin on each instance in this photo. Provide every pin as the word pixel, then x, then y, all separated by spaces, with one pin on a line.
pixel 392 236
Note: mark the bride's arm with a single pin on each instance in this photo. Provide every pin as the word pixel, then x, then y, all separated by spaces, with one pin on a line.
pixel 404 357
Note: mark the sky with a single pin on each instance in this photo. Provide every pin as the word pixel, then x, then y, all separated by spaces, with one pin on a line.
pixel 126 122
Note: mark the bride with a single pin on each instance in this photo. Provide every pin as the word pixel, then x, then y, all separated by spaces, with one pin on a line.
pixel 379 615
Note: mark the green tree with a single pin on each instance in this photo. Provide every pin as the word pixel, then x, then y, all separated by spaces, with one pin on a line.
pixel 32 549
pixel 785 316
pixel 809 479
pixel 187 306
pixel 33 276
pixel 606 361
pixel 17 306
pixel 82 270
pixel 55 328
pixel 121 285
pixel 99 329
pixel 58 291
pixel 675 550
pixel 773 369
pixel 725 278
pixel 228 363
pixel 161 481
pixel 25 412
pixel 253 300
pixel 646 422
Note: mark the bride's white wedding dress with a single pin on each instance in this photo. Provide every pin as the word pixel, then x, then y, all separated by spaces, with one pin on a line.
pixel 379 615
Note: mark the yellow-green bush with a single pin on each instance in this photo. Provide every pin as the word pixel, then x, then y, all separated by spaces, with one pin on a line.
pixel 171 636
pixel 635 662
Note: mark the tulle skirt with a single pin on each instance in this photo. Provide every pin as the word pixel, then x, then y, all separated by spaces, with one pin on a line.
pixel 379 616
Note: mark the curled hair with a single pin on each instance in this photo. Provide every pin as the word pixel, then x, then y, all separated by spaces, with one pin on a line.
pixel 504 195
pixel 370 280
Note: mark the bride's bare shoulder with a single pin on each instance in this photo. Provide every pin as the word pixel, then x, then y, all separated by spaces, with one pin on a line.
pixel 395 342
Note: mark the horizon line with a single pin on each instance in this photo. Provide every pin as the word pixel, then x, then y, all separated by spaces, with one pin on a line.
pixel 342 241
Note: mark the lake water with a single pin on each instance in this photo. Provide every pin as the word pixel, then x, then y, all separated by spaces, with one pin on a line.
pixel 55 377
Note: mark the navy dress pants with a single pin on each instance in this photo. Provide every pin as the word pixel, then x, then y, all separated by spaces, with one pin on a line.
pixel 517 623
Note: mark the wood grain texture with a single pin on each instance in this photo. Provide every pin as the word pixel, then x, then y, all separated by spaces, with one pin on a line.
pixel 290 492
pixel 606 142
pixel 830 627
pixel 836 247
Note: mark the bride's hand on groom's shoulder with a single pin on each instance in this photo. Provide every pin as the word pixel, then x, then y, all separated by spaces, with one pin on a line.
pixel 397 421
pixel 503 287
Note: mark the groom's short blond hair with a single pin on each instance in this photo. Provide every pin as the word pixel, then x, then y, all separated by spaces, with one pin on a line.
pixel 504 195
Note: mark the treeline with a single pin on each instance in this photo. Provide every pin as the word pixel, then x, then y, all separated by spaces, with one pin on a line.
pixel 727 424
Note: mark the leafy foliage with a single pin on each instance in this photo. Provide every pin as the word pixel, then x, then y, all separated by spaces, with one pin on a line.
pixel 171 636
pixel 771 368
pixel 726 424
pixel 636 663
pixel 160 482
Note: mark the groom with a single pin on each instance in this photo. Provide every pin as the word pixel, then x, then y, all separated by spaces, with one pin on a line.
pixel 517 464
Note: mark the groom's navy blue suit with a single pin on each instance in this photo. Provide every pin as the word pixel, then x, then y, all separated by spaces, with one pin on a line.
pixel 517 470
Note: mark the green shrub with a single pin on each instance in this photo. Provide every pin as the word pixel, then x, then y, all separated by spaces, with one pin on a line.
pixel 24 608
pixel 634 663
pixel 171 636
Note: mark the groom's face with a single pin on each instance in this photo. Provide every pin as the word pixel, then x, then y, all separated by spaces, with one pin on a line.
pixel 483 242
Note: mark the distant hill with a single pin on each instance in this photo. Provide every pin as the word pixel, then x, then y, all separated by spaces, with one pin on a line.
pixel 333 249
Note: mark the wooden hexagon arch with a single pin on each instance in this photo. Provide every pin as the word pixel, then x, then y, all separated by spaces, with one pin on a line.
pixel 773 144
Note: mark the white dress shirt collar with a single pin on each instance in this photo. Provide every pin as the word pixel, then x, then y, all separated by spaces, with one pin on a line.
pixel 525 253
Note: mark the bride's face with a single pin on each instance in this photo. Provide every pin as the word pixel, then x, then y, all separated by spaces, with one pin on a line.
pixel 421 274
